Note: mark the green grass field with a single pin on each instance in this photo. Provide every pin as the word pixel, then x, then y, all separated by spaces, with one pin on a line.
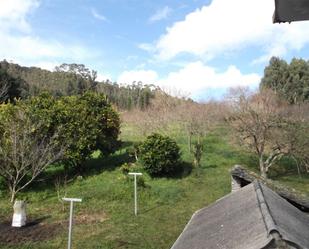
pixel 105 218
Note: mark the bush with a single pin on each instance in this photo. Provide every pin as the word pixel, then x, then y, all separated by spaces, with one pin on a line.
pixel 141 182
pixel 160 155
pixel 88 123
pixel 134 151
pixel 125 168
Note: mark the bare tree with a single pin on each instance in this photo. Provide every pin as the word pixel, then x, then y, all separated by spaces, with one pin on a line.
pixel 198 119
pixel 157 117
pixel 295 134
pixel 24 152
pixel 257 121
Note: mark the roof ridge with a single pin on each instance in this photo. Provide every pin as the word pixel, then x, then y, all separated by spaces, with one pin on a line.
pixel 269 221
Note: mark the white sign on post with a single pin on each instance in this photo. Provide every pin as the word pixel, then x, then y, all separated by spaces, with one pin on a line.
pixel 135 190
pixel 71 200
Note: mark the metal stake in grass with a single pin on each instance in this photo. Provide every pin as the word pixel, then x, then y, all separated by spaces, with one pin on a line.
pixel 71 200
pixel 135 190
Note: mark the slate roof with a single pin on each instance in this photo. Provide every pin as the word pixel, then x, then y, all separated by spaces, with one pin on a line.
pixel 251 218
pixel 291 10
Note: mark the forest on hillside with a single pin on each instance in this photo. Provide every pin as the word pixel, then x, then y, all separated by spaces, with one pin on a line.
pixel 288 80
pixel 70 79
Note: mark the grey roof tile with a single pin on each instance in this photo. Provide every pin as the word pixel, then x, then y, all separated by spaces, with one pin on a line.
pixel 245 220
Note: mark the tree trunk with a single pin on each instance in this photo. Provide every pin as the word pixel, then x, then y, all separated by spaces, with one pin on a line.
pixel 263 169
pixel 13 195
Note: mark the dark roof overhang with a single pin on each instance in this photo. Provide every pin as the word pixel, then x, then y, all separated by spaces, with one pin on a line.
pixel 291 10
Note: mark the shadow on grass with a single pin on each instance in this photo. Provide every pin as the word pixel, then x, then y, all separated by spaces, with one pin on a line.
pixel 146 210
pixel 92 166
pixel 288 167
pixel 184 170
pixel 109 163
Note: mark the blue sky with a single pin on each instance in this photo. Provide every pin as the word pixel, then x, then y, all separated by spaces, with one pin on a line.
pixel 196 48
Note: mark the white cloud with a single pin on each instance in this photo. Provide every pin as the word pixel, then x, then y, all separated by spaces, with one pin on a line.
pixel 97 15
pixel 13 14
pixel 31 49
pixel 147 47
pixel 19 44
pixel 277 50
pixel 228 26
pixel 196 77
pixel 193 78
pixel 160 14
pixel 145 76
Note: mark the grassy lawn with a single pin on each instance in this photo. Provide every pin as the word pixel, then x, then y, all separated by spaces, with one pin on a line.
pixel 105 217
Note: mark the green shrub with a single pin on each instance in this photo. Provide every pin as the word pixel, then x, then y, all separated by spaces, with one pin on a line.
pixel 160 155
pixel 134 151
pixel 125 168
pixel 141 182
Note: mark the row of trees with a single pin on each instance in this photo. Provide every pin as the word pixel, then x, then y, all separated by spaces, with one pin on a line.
pixel 41 130
pixel 134 96
pixel 167 115
pixel 68 80
pixel 263 122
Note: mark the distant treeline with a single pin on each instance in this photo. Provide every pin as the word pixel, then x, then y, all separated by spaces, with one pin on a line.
pixel 127 97
pixel 289 80
pixel 66 80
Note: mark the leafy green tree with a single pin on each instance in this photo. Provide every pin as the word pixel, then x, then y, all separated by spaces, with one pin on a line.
pixel 88 77
pixel 11 88
pixel 88 123
pixel 160 155
pixel 289 81
pixel 275 75
pixel 296 88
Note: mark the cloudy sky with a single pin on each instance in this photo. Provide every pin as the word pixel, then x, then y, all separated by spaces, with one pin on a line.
pixel 198 47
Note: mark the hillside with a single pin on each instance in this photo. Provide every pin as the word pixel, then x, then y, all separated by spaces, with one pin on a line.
pixel 72 79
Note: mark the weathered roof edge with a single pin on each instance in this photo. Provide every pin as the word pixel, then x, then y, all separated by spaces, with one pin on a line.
pixel 272 228
pixel 266 214
pixel 300 199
